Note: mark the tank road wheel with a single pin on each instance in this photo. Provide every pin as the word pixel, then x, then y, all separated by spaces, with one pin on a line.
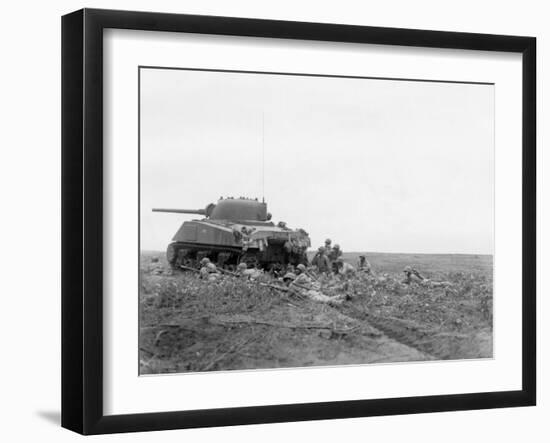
pixel 223 258
pixel 298 258
pixel 172 255
pixel 251 259
pixel 176 255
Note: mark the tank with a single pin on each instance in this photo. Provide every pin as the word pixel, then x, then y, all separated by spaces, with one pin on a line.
pixel 233 231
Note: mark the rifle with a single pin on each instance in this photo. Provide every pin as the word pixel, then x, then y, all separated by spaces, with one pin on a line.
pixel 187 268
pixel 225 271
pixel 300 286
pixel 280 288
pixel 284 288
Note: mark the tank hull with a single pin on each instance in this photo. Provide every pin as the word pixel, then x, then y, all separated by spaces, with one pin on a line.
pixel 228 244
pixel 236 231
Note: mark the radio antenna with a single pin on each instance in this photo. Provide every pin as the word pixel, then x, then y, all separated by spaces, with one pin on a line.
pixel 263 157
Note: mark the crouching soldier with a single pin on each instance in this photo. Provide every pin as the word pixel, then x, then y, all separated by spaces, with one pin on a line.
pixel 208 270
pixel 343 268
pixel 363 265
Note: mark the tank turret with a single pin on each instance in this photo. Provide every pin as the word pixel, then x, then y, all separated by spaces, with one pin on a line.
pixel 236 230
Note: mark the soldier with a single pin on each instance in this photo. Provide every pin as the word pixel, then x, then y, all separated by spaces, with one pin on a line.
pixel 289 277
pixel 253 273
pixel 241 268
pixel 208 269
pixel 335 253
pixel 412 275
pixel 215 274
pixel 333 256
pixel 248 274
pixel 344 268
pixel 363 265
pixel 321 261
pixel 204 268
pixel 204 261
pixel 302 277
pixel 328 246
pixel 304 286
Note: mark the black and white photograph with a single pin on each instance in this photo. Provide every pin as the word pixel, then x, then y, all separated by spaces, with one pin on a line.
pixel 275 221
pixel 294 220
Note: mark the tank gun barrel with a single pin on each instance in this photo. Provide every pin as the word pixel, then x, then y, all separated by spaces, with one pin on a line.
pixel 181 211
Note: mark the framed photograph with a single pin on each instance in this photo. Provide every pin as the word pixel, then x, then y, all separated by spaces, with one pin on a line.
pixel 269 221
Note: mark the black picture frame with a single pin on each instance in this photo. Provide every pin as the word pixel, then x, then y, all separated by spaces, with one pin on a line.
pixel 82 220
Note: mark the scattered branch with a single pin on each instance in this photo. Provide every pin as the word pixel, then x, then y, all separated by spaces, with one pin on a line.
pixel 232 350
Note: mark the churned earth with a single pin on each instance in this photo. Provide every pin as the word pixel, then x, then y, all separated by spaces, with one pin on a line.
pixel 189 325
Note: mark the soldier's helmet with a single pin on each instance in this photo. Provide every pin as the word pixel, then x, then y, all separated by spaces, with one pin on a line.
pixel 336 246
pixel 211 267
pixel 241 266
pixel 205 261
pixel 407 269
pixel 362 256
pixel 321 249
pixel 339 260
pixel 289 276
pixel 328 241
pixel 301 267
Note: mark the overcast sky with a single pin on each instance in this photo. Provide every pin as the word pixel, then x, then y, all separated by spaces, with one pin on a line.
pixel 376 165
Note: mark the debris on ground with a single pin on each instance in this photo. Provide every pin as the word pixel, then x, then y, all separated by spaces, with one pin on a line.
pixel 223 320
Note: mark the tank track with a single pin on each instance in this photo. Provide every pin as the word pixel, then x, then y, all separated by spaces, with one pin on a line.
pixel 180 253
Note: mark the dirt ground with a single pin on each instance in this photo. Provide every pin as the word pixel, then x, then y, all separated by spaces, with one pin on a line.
pixel 189 325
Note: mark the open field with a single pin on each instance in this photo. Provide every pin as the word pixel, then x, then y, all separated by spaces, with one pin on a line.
pixel 189 324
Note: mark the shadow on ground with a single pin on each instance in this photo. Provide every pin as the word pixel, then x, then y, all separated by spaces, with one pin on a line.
pixel 54 417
